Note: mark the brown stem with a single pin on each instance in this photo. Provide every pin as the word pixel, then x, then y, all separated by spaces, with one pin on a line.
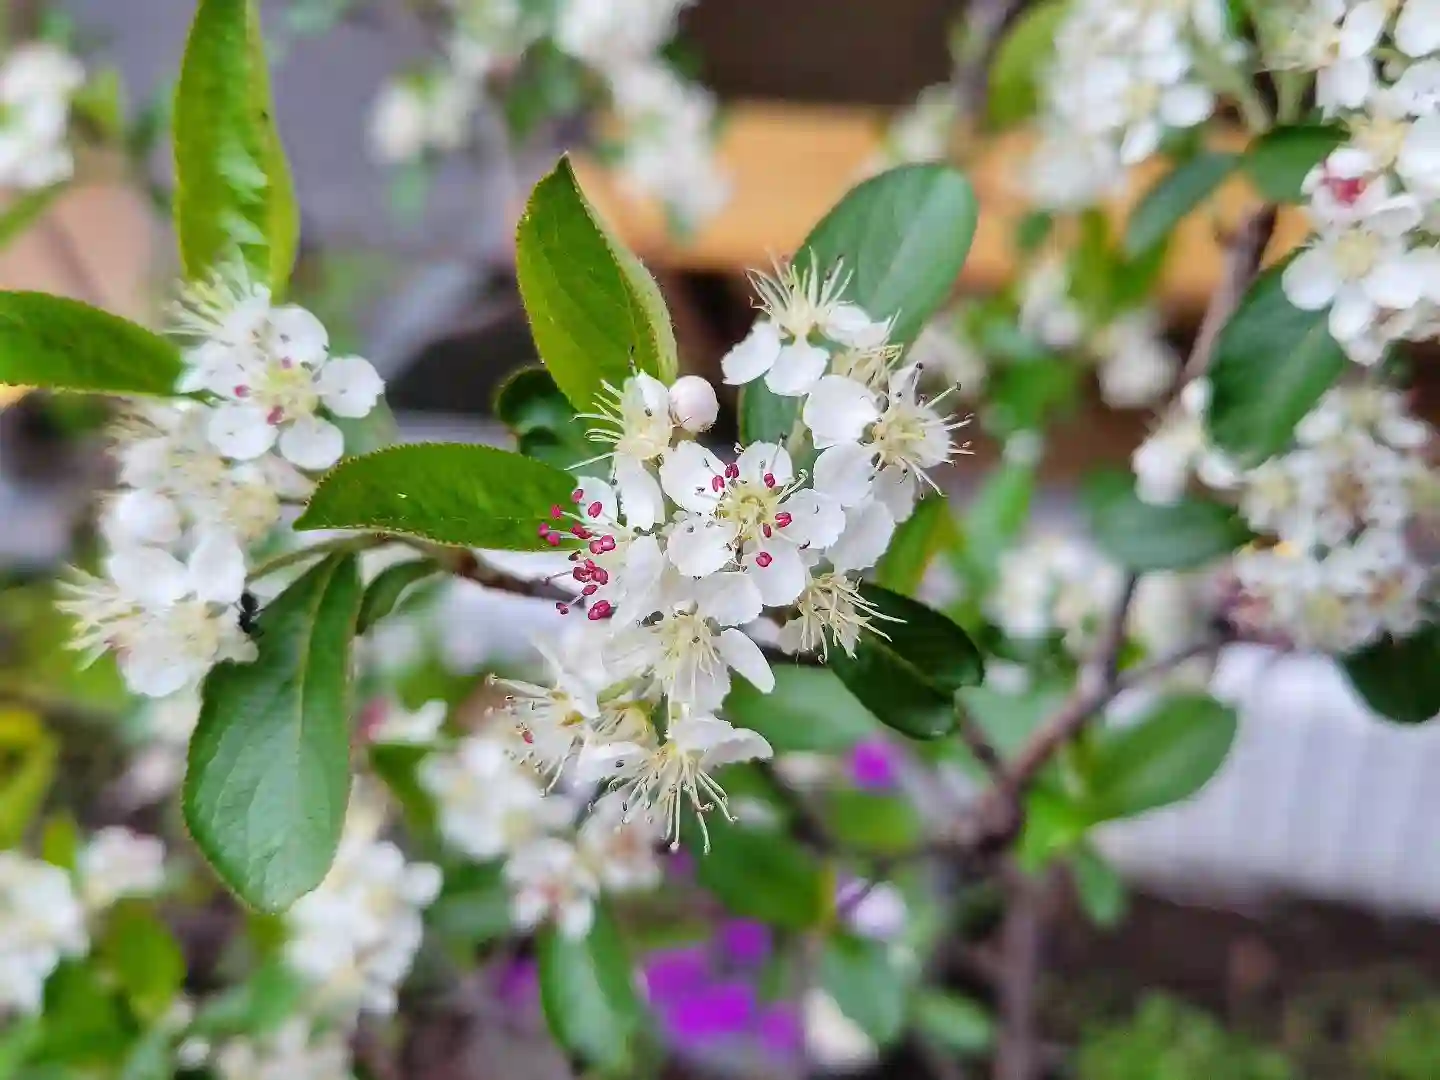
pixel 970 78
pixel 1243 255
pixel 1018 1052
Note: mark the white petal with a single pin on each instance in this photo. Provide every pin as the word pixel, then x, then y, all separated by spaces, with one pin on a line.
pixel 745 656
pixel 696 733
pixel 149 575
pixel 693 404
pixel 1311 281
pixel 815 519
pixel 1351 314
pixel 782 579
pixel 142 517
pixel 217 567
pixel 688 473
pixel 731 599
pixel 1141 140
pixel 652 391
pixel 300 336
pixel 640 496
pixel 1186 105
pixel 642 578
pixel 742 745
pixel 592 491
pixel 312 443
pixel 868 530
pixel 1394 284
pixel 759 460
pixel 797 369
pixel 154 674
pixel 849 324
pixel 754 356
pixel 349 386
pixel 1362 28
pixel 700 546
pixel 240 431
pixel 844 473
pixel 839 410
pixel 1417 32
pixel 897 488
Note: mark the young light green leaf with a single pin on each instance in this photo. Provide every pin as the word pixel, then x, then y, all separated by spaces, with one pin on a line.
pixel 450 493
pixel 58 344
pixel 808 710
pixel 1272 364
pixel 588 993
pixel 24 209
pixel 1173 196
pixel 956 1023
pixel 907 672
pixel 867 985
pixel 29 754
pixel 145 959
pixel 594 311
pixel 233 193
pixel 382 594
pixel 919 539
pixel 761 874
pixel 1143 537
pixel 1279 161
pixel 873 823
pixel 901 238
pixel 1166 756
pixel 18 1039
pixel 269 771
pixel 1400 680
pixel 1101 890
pixel 1020 63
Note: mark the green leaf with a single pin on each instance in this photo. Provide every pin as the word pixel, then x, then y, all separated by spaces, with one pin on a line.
pixel 24 209
pixel 1279 160
pixel 1024 396
pixel 1101 890
pixel 28 758
pixel 84 1022
pixel 233 194
pixel 873 823
pixel 762 874
pixel 1272 363
pixel 1009 719
pixel 450 493
pixel 1400 680
pixel 809 710
pixel 145 959
pixel 1143 537
pixel 269 771
pixel 398 765
pixel 1021 61
pixel 1167 756
pixel 541 419
pixel 384 593
pixel 474 906
pixel 588 993
pixel 866 984
pixel 902 238
pixel 18 1039
pixel 257 1006
pixel 58 344
pixel 953 1022
pixel 549 84
pixel 919 539
pixel 594 311
pixel 909 676
pixel 60 840
pixel 1173 196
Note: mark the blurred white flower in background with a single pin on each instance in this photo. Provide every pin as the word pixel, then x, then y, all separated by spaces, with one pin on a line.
pixel 37 82
pixel 116 863
pixel 41 923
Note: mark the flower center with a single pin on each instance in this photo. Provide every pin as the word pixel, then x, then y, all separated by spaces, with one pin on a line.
pixel 286 390
pixel 752 508
pixel 1356 253
pixel 1382 138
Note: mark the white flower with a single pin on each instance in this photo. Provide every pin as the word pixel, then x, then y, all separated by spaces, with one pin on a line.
pixel 1054 584
pixel 117 863
pixel 293 1052
pixel 834 1042
pixel 549 880
pixel 1046 311
pixel 871 910
pixel 606 33
pixel 1137 366
pixel 621 852
pixel 551 721
pixel 830 609
pixel 416 115
pixel 41 923
pixel 693 404
pixel 868 530
pixel 690 656
pixel 418 728
pixel 37 81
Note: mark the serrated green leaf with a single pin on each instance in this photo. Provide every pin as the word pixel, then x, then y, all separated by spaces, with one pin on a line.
pixel 953 1022
pixel 384 593
pixel 594 311
pixel 1021 61
pixel 808 710
pixel 761 874
pixel 902 238
pixel 922 536
pixel 588 992
pixel 1400 680
pixel 1279 160
pixel 1272 363
pixel 58 344
pixel 1144 538
pixel 865 982
pixel 269 771
pixel 908 677
pixel 1172 198
pixel 233 192
pixel 449 493
pixel 145 959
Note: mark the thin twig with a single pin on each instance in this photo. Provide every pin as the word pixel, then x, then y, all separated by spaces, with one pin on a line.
pixel 970 78
pixel 1243 255
pixel 1018 1050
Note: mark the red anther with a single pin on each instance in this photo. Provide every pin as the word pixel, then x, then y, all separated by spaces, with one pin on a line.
pixel 599 611
pixel 581 573
pixel 717 483
pixel 596 547
pixel 580 532
pixel 544 529
pixel 732 471
pixel 607 543
pixel 590 564
pixel 769 479
pixel 764 559
pixel 242 391
pixel 578 495
pixel 553 539
pixel 600 576
pixel 528 736
pixel 556 512
pixel 275 416
pixel 594 509
pixel 782 519
pixel 589 590
pixel 286 363
pixel 1346 189
pixel 564 609
pixel 769 532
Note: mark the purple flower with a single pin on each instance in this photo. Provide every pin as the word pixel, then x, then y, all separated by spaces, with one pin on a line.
pixel 722 1011
pixel 780 1031
pixel 677 972
pixel 745 942
pixel 874 764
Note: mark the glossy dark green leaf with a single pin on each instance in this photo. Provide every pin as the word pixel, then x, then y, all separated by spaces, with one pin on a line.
pixel 1143 537
pixel 922 536
pixel 587 989
pixel 269 774
pixel 58 344
pixel 908 678
pixel 233 193
pixel 1400 680
pixel 1272 363
pixel 450 493
pixel 1021 61
pixel 594 311
pixel 864 980
pixel 808 710
pixel 542 420
pixel 952 1022
pixel 762 874
pixel 384 593
pixel 1172 198
pixel 1279 161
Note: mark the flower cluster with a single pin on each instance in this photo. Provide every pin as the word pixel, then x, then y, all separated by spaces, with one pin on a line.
pixel 1335 568
pixel 1124 74
pixel 1372 261
pixel 46 912
pixel 202 481
pixel 663 133
pixel 37 82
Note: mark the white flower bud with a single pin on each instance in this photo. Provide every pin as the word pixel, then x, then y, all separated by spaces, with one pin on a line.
pixel 693 403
